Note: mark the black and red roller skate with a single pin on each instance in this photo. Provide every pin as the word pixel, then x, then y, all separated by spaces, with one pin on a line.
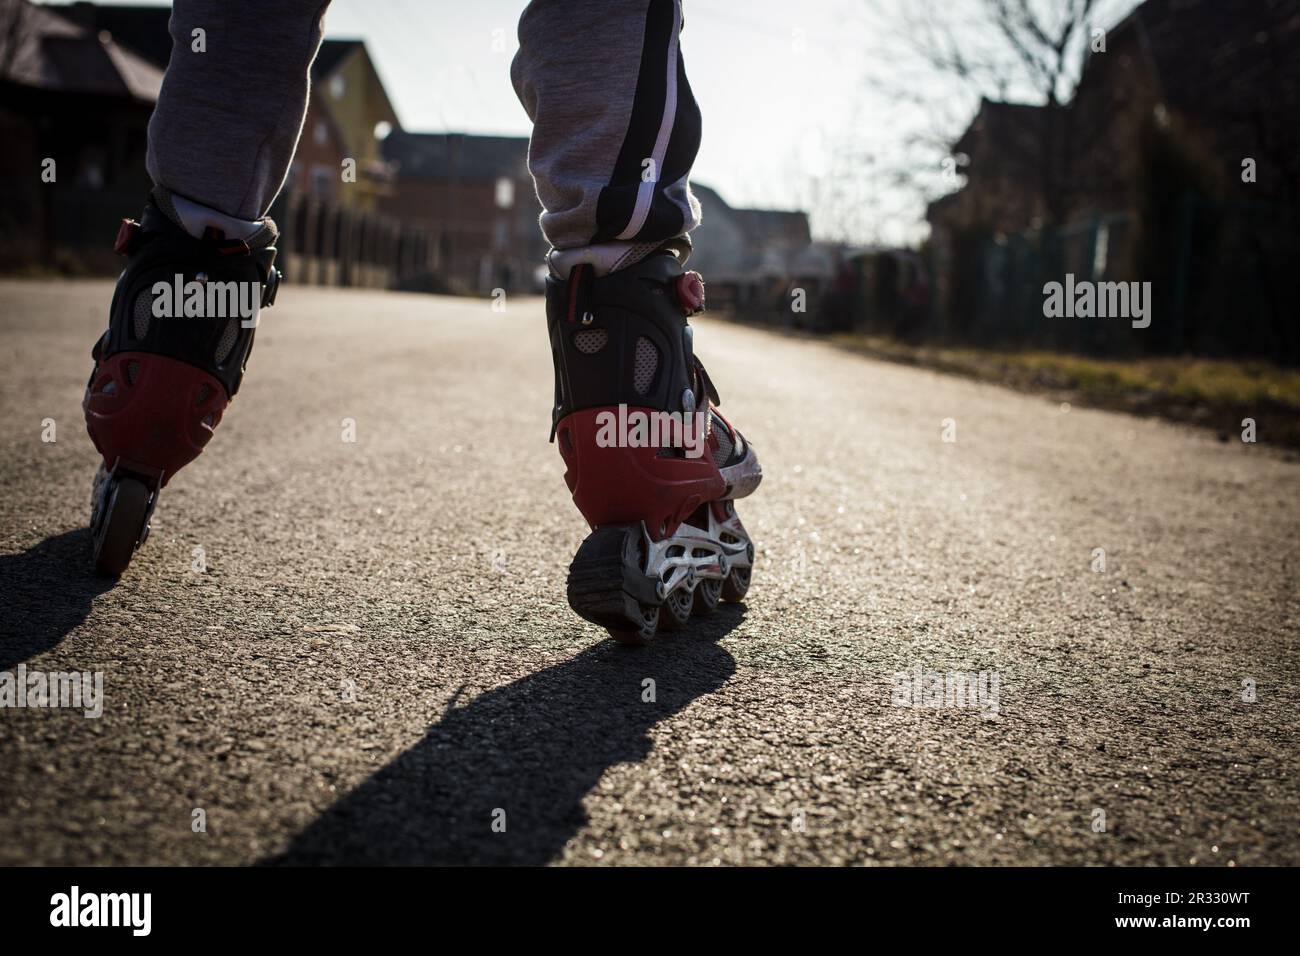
pixel 180 331
pixel 651 464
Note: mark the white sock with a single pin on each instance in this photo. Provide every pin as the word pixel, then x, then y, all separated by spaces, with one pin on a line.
pixel 604 258
pixel 197 219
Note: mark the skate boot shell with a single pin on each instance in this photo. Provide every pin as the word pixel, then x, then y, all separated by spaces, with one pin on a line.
pixel 651 465
pixel 180 331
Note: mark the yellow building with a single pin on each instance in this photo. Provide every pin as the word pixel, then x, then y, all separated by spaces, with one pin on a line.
pixel 339 159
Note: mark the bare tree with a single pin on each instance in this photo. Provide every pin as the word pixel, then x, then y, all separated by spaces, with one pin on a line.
pixel 939 59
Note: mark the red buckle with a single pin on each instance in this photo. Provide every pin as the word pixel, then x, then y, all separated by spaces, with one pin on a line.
pixel 127 235
pixel 690 292
pixel 579 276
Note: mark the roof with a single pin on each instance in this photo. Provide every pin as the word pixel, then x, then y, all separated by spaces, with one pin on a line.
pixel 942 204
pixel 739 245
pixel 1212 56
pixel 458 156
pixel 144 29
pixel 331 55
pixel 1004 129
pixel 759 225
pixel 141 29
pixel 49 52
pixel 331 58
pixel 779 225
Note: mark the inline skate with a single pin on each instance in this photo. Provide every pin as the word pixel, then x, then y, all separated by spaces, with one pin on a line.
pixel 180 330
pixel 652 466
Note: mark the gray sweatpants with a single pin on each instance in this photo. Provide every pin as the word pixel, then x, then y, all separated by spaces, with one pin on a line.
pixel 615 127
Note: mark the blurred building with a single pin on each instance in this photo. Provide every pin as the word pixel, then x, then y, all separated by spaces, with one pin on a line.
pixel 474 197
pixel 1176 162
pixel 334 229
pixel 762 263
pixel 365 202
pixel 1003 156
pixel 348 115
pixel 74 108
pixel 78 83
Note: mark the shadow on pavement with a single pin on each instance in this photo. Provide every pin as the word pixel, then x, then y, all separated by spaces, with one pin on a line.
pixel 47 592
pixel 534 749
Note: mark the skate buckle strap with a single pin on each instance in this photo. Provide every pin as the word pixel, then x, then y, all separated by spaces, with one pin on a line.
pixel 128 236
pixel 224 246
pixel 271 287
pixel 580 277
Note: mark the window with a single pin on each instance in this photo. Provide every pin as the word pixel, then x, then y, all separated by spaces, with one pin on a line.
pixel 505 193
pixel 322 182
pixel 338 86
pixel 90 168
pixel 320 133
pixel 1100 250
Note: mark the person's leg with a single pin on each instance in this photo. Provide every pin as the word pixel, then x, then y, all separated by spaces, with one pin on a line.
pixel 615 132
pixel 228 116
pixel 201 257
pixel 615 127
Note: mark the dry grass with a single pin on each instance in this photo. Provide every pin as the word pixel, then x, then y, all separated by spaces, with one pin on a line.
pixel 1217 393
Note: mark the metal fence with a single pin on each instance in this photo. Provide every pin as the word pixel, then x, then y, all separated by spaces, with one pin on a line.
pixel 1220 277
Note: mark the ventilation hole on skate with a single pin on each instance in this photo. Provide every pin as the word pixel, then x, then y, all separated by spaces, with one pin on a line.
pixel 227 343
pixel 645 364
pixel 132 372
pixel 140 315
pixel 590 341
pixel 210 420
pixel 109 389
pixel 725 447
pixel 204 393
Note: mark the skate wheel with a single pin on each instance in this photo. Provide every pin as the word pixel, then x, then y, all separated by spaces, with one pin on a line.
pixel 707 595
pixel 676 612
pixel 640 636
pixel 736 584
pixel 608 586
pixel 126 509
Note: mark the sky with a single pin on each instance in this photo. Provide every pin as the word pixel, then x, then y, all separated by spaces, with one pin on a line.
pixel 767 85
pixel 789 118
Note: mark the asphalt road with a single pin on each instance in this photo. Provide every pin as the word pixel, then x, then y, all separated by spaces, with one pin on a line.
pixel 378 663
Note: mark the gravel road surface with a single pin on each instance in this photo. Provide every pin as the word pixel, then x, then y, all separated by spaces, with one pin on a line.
pixel 378 664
